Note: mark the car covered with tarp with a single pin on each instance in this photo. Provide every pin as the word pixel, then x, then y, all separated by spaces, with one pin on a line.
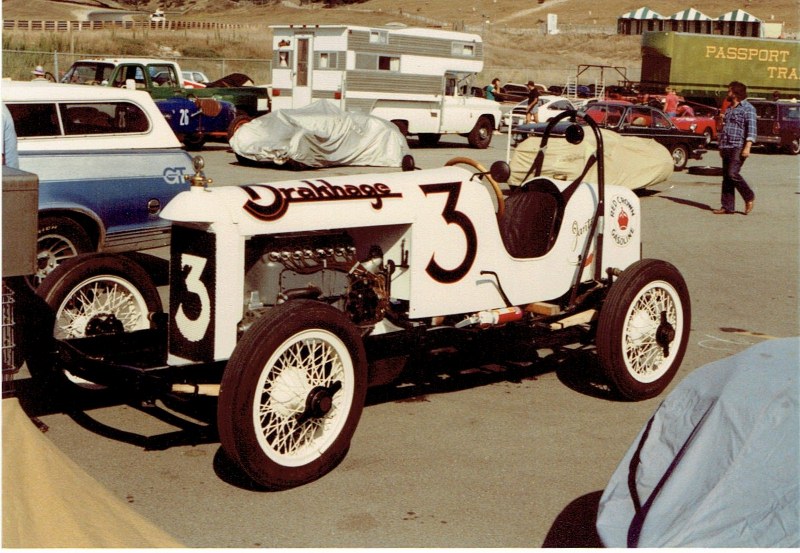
pixel 718 463
pixel 319 135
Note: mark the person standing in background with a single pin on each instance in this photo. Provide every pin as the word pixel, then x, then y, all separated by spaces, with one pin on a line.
pixel 671 102
pixel 493 89
pixel 737 136
pixel 532 112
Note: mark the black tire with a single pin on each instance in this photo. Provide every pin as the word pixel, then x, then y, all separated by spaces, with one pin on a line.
pixel 793 147
pixel 428 140
pixel 237 122
pixel 259 380
pixel 194 142
pixel 705 170
pixel 91 295
pixel 680 157
pixel 402 126
pixel 58 239
pixel 641 355
pixel 481 134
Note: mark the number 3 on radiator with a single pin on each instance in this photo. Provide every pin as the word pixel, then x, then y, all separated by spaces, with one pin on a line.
pixel 194 329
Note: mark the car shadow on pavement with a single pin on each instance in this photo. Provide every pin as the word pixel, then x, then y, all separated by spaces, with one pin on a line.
pixel 575 525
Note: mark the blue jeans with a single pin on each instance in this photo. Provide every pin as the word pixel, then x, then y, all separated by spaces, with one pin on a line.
pixel 732 181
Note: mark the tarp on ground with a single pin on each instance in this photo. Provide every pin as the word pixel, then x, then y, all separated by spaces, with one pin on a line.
pixel 321 135
pixel 630 161
pixel 718 464
pixel 49 501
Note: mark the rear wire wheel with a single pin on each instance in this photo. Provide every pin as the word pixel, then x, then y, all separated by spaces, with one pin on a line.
pixel 292 394
pixel 643 328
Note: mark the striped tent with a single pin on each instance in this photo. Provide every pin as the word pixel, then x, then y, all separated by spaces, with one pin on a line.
pixel 739 23
pixel 638 21
pixel 690 21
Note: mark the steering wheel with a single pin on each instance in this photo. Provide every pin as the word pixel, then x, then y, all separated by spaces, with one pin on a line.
pixel 501 201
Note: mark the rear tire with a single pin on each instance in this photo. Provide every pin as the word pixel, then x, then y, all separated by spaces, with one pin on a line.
pixel 292 394
pixel 643 328
pixel 237 122
pixel 793 147
pixel 680 157
pixel 94 295
pixel 194 142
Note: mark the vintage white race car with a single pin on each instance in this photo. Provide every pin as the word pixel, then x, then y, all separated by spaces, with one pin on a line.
pixel 290 299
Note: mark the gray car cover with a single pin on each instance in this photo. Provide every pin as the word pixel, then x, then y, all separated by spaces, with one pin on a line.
pixel 717 465
pixel 321 135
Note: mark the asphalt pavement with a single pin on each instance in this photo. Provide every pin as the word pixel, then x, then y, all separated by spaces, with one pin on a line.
pixel 464 456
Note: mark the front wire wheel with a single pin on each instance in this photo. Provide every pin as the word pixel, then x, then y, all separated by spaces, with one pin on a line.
pixel 643 328
pixel 292 394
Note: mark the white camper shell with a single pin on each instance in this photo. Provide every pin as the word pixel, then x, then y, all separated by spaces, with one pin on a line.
pixel 420 79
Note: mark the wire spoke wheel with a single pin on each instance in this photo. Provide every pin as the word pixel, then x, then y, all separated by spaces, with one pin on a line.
pixel 292 394
pixel 643 328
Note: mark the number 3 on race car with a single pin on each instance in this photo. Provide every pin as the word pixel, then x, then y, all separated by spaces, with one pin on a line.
pixel 453 216
pixel 194 329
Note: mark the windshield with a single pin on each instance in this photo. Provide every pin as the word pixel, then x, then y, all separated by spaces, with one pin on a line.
pixel 88 73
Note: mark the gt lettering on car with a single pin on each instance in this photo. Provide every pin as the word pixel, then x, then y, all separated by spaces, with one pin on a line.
pixel 192 293
pixel 452 216
pixel 174 175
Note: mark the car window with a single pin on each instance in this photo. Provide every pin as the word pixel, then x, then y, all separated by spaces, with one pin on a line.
pixel 791 112
pixel 163 75
pixel 134 72
pixel 35 119
pixel 614 115
pixel 639 117
pixel 78 118
pixel 660 121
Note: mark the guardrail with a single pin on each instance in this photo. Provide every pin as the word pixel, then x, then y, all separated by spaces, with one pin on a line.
pixel 50 25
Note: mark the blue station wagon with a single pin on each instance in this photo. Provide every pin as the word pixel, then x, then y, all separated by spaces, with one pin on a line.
pixel 107 163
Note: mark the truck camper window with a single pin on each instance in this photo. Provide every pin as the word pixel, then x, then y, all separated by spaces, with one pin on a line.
pixel 327 60
pixel 463 49
pixel 32 120
pixel 378 37
pixel 375 62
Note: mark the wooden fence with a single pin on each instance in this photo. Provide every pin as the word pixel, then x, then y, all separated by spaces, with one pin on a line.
pixel 49 25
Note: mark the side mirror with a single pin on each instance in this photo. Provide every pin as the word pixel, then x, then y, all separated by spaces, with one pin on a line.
pixel 574 134
pixel 500 171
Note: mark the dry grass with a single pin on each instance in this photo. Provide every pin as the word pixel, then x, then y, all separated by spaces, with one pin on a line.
pixel 516 50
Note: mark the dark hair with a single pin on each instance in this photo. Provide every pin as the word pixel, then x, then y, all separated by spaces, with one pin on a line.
pixel 531 83
pixel 739 90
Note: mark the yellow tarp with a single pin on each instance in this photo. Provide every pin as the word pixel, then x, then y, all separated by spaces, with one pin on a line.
pixel 49 501
pixel 630 161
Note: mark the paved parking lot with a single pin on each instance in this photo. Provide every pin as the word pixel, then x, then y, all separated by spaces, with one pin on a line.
pixel 491 456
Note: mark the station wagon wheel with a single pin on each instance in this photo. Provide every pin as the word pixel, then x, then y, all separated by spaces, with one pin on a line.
pixel 93 295
pixel 643 328
pixel 498 192
pixel 292 394
pixel 794 146
pixel 680 156
pixel 58 239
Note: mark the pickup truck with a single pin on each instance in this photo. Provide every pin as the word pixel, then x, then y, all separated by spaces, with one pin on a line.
pixel 163 80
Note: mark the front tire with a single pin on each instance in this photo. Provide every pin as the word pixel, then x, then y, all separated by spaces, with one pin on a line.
pixel 94 295
pixel 237 122
pixel 643 328
pixel 793 147
pixel 292 394
pixel 481 134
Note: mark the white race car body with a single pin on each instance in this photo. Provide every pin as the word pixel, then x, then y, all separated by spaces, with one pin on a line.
pixel 437 228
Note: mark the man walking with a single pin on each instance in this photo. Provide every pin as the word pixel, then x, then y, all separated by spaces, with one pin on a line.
pixel 738 135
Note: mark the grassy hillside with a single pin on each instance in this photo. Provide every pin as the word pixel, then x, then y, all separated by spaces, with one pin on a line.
pixel 515 48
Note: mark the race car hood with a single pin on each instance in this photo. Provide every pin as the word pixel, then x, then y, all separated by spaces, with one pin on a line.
pixel 312 204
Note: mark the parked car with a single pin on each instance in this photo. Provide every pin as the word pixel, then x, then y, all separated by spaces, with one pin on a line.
pixel 549 107
pixel 778 124
pixel 195 76
pixel 516 92
pixel 107 163
pixel 649 122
